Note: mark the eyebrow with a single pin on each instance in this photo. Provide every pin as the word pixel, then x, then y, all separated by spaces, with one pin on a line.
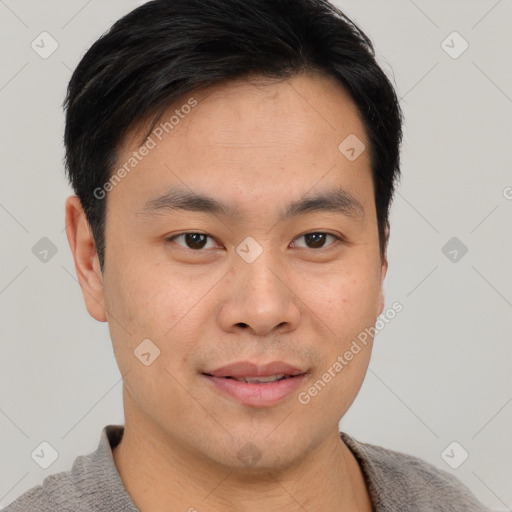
pixel 177 198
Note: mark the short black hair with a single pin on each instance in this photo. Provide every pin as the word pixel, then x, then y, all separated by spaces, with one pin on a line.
pixel 166 49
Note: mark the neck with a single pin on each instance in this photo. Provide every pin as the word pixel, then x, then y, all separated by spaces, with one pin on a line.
pixel 149 459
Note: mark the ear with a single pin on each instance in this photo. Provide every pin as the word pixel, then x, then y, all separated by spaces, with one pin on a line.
pixel 383 271
pixel 87 264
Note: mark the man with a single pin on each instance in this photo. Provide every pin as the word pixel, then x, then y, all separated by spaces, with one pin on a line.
pixel 234 163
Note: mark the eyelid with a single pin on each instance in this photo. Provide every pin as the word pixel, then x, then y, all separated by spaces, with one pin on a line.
pixel 171 238
pixel 337 238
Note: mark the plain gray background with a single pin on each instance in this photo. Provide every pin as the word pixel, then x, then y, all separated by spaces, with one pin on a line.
pixel 441 370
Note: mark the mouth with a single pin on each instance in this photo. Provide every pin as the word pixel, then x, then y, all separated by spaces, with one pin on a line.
pixel 256 385
pixel 258 380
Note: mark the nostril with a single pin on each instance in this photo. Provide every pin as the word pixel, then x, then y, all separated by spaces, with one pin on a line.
pixel 241 324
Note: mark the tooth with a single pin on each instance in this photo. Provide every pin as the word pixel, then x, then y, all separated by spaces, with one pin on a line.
pixel 271 378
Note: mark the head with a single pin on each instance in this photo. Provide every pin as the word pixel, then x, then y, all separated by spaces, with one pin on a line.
pixel 233 164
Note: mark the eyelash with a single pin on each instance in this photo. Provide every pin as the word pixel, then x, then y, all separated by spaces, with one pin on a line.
pixel 336 239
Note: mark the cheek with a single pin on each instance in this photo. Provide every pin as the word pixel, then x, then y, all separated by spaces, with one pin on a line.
pixel 160 304
pixel 146 299
pixel 347 307
pixel 346 299
pixel 145 306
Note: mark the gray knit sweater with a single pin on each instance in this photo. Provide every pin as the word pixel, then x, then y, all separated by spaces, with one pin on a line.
pixel 397 483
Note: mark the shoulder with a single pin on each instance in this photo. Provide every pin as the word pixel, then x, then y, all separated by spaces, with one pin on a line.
pixel 398 481
pixel 55 493
pixel 92 484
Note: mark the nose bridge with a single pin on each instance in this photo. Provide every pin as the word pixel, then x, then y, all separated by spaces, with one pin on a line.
pixel 261 300
pixel 260 278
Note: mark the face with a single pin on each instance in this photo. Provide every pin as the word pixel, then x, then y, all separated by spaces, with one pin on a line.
pixel 243 246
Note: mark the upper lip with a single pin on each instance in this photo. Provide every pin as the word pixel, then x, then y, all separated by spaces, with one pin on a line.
pixel 248 369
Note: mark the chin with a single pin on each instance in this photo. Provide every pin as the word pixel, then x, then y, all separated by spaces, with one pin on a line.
pixel 252 453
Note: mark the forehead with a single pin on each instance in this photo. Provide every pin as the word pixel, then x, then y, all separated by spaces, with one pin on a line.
pixel 254 138
pixel 308 105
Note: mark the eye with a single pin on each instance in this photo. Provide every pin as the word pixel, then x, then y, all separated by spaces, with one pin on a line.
pixel 192 240
pixel 316 240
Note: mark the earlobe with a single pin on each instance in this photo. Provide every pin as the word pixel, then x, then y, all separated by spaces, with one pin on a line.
pixel 83 248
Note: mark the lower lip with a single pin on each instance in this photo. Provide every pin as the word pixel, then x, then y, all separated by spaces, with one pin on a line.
pixel 257 395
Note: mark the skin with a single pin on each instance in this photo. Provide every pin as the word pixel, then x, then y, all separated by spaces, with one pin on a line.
pixel 257 147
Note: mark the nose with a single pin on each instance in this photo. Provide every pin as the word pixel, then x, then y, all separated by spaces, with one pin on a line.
pixel 259 299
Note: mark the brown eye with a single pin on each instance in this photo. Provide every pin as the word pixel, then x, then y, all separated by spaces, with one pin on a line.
pixel 194 241
pixel 314 240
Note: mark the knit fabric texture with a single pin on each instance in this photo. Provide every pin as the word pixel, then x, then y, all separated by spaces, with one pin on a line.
pixel 397 482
